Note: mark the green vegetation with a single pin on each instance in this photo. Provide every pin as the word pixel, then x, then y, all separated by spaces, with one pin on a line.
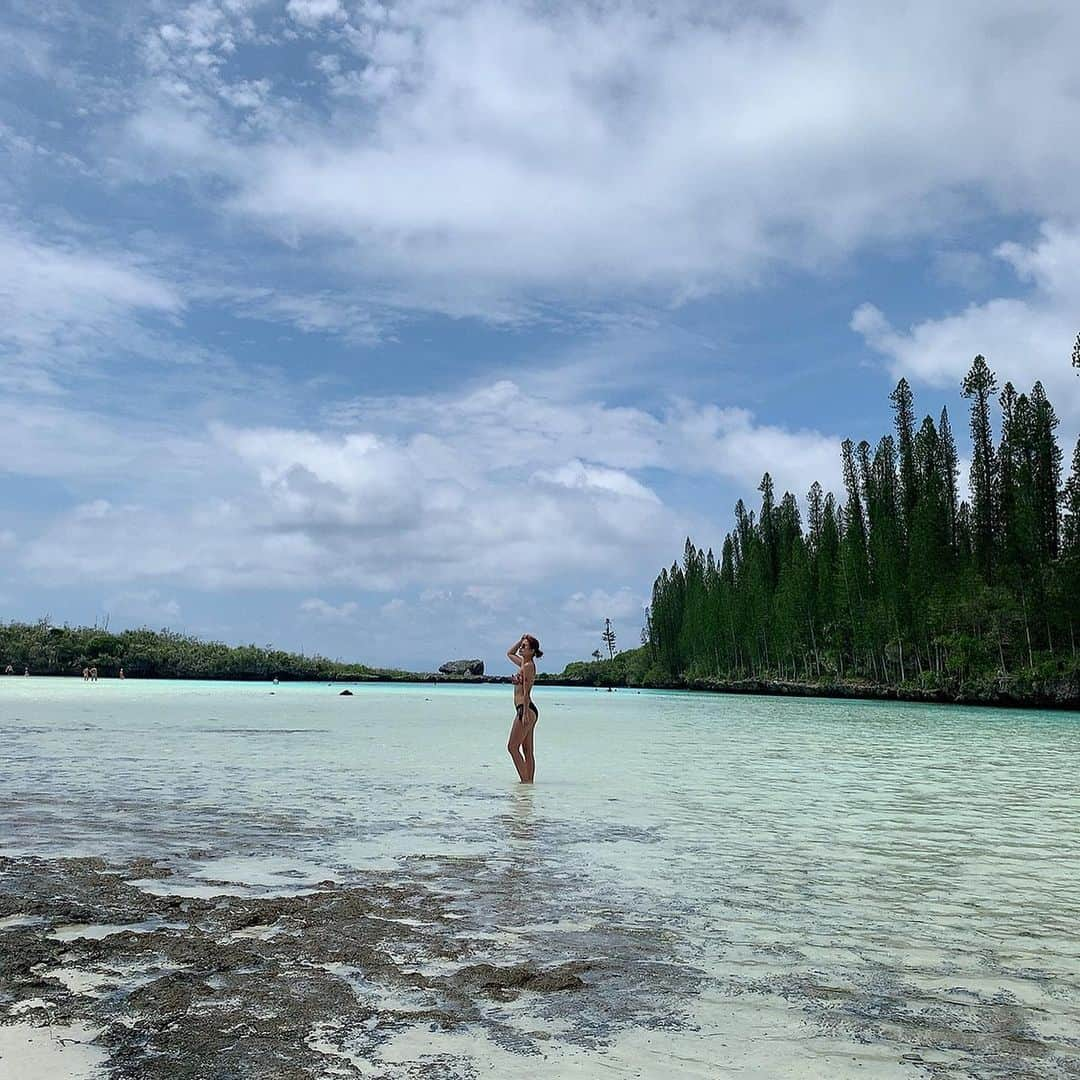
pixel 902 584
pixel 161 654
pixel 628 668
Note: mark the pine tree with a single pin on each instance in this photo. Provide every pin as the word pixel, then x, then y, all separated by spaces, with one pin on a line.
pixel 815 501
pixel 949 465
pixel 978 385
pixel 1007 493
pixel 1047 473
pixel 854 567
pixel 854 506
pixel 768 530
pixel 609 639
pixel 904 407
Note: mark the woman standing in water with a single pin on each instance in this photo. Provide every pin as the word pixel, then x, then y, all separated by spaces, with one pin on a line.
pixel 524 653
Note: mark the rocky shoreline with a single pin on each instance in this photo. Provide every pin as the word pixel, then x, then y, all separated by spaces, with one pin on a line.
pixel 1053 694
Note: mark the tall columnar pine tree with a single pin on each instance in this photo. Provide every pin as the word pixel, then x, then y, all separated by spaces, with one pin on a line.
pixel 1046 469
pixel 949 464
pixel 978 385
pixel 904 406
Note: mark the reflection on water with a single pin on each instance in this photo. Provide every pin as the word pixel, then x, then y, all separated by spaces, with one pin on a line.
pixel 521 820
pixel 790 887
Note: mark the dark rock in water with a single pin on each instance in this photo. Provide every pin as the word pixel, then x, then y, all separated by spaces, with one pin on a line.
pixel 503 982
pixel 462 667
pixel 345 693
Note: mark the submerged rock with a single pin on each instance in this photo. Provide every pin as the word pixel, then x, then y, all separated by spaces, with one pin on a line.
pixel 522 977
pixel 345 693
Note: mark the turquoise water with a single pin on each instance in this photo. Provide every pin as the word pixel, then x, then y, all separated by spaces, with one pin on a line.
pixel 834 888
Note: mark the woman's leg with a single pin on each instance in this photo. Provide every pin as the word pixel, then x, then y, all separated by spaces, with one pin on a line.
pixel 530 760
pixel 514 745
pixel 527 745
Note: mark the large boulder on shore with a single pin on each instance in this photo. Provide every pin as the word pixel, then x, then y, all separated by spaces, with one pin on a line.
pixel 462 667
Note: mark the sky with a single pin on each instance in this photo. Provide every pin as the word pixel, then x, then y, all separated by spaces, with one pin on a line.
pixel 394 330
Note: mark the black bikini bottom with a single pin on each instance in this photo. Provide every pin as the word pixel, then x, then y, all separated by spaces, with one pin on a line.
pixel 532 706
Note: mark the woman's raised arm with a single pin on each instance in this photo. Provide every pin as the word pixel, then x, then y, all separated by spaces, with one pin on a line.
pixel 512 652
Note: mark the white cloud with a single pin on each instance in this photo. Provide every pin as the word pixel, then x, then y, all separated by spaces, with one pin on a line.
pixel 469 153
pixel 78 306
pixel 731 443
pixel 324 312
pixel 93 511
pixel 1023 339
pixel 63 439
pixel 493 597
pixel 580 476
pixel 600 446
pixel 148 605
pixel 320 609
pixel 246 94
pixel 592 608
pixel 25 50
pixel 63 302
pixel 312 12
pixel 403 491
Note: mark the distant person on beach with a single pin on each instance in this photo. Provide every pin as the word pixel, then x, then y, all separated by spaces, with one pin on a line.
pixel 85 674
pixel 121 675
pixel 9 670
pixel 93 674
pixel 26 672
pixel 524 653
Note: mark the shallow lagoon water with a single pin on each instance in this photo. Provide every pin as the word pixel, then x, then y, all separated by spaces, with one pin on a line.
pixel 814 888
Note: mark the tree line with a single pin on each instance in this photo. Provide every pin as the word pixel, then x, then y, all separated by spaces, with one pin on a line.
pixel 64 650
pixel 901 581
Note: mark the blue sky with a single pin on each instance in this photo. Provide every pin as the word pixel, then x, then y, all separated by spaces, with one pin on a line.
pixel 393 330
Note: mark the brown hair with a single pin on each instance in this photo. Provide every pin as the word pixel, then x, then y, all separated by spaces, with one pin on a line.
pixel 537 651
